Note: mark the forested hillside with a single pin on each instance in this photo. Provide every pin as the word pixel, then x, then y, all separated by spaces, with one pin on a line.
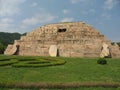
pixel 8 38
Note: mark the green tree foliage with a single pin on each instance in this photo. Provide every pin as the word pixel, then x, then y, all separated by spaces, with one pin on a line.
pixel 8 38
pixel 2 48
pixel 118 43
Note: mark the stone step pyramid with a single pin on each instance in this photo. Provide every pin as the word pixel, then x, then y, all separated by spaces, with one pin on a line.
pixel 72 39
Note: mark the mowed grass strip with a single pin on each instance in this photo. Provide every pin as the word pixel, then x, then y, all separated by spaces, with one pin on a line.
pixel 59 85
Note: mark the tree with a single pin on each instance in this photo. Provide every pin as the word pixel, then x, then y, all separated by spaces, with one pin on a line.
pixel 118 43
pixel 2 48
pixel 8 38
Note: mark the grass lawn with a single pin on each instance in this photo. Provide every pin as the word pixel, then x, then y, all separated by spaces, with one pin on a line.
pixel 75 70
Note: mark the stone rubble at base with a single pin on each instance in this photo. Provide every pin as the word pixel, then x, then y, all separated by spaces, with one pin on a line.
pixel 72 39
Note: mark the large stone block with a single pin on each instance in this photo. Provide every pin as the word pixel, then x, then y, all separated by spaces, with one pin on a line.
pixel 11 50
pixel 53 51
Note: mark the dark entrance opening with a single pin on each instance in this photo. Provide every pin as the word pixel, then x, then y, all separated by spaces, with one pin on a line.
pixel 17 51
pixel 62 30
pixel 58 53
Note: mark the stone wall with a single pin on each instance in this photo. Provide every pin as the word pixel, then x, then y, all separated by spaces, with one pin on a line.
pixel 73 39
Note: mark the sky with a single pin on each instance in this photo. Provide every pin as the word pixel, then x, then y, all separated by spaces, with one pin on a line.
pixel 26 15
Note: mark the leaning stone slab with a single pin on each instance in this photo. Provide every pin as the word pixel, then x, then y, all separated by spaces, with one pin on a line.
pixel 53 51
pixel 105 51
pixel 11 49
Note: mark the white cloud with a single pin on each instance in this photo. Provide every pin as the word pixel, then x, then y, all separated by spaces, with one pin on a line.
pixel 33 22
pixel 92 10
pixel 106 16
pixel 6 24
pixel 6 20
pixel 10 7
pixel 67 20
pixel 34 4
pixel 109 4
pixel 38 19
pixel 65 11
pixel 86 12
pixel 76 1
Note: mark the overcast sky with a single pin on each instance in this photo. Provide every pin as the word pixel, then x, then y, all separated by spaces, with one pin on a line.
pixel 25 15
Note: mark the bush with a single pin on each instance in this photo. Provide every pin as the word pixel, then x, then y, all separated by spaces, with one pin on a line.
pixel 30 62
pixel 102 61
pixel 39 63
pixel 7 62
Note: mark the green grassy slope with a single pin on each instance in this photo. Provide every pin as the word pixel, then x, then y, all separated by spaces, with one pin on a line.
pixel 75 74
pixel 75 70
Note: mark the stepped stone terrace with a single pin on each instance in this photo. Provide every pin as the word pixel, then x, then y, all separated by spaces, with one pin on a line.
pixel 70 39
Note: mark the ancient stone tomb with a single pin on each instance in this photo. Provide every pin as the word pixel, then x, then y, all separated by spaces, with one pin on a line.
pixel 70 39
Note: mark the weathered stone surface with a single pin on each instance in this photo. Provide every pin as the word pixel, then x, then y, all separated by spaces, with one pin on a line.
pixel 11 50
pixel 105 51
pixel 115 51
pixel 53 50
pixel 72 39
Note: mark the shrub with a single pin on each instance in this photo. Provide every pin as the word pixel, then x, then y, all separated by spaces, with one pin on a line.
pixel 8 62
pixel 38 63
pixel 30 62
pixel 118 88
pixel 102 61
